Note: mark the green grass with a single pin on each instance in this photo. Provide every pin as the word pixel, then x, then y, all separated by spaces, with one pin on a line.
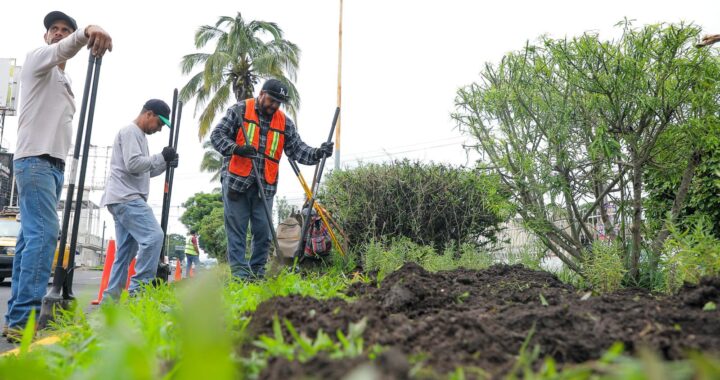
pixel 193 330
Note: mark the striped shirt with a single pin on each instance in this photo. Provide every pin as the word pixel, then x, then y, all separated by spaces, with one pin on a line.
pixel 223 138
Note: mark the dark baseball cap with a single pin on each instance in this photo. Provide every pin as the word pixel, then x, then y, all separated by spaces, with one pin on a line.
pixel 277 90
pixel 160 108
pixel 53 16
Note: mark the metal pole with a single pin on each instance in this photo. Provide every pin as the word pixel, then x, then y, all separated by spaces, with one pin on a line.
pixel 339 88
pixel 67 286
pixel 54 295
pixel 163 271
pixel 102 244
pixel 163 216
pixel 171 178
pixel 2 128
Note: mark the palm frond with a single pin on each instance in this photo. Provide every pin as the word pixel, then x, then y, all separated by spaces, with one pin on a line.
pixel 205 34
pixel 214 106
pixel 212 161
pixel 189 61
pixel 242 55
pixel 191 87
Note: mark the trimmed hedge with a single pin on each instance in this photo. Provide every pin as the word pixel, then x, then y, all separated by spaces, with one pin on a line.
pixel 430 204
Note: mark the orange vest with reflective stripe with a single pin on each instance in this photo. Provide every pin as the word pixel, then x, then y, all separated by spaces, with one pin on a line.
pixel 274 143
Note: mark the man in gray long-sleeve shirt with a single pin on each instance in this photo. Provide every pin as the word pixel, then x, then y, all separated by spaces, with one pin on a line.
pixel 47 106
pixel 131 166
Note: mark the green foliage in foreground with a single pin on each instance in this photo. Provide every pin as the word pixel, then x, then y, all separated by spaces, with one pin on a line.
pixel 169 332
pixel 194 330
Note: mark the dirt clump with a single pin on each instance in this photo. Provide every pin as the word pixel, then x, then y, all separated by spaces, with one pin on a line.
pixel 481 319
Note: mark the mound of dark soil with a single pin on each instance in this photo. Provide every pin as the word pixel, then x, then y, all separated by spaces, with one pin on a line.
pixel 481 318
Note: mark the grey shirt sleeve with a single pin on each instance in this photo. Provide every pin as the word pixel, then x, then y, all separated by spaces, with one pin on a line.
pixel 135 157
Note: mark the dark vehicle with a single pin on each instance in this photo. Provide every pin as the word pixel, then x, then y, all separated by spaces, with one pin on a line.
pixel 9 230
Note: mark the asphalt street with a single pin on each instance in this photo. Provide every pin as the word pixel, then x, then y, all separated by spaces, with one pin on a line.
pixel 85 287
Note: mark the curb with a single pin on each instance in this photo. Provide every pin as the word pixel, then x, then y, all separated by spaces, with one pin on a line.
pixel 42 342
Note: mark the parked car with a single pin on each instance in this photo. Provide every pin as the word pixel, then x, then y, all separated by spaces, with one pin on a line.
pixel 9 230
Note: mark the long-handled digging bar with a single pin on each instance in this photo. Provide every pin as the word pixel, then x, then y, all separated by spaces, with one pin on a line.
pixel 321 211
pixel 60 294
pixel 163 271
pixel 261 191
pixel 311 198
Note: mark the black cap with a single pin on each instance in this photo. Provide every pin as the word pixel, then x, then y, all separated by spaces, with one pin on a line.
pixel 53 16
pixel 277 90
pixel 160 108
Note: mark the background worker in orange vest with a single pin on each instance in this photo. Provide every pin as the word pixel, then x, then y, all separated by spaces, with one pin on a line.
pixel 192 252
pixel 270 133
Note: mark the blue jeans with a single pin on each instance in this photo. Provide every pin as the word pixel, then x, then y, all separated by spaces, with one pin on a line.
pixel 190 260
pixel 39 184
pixel 239 209
pixel 137 233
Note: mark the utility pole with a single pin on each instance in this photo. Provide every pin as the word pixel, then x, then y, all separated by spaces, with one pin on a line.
pixel 102 245
pixel 339 90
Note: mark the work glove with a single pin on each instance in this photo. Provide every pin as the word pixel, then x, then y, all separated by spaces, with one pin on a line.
pixel 174 163
pixel 325 150
pixel 245 150
pixel 169 153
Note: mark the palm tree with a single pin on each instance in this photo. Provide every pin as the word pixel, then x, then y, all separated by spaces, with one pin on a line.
pixel 244 53
pixel 212 161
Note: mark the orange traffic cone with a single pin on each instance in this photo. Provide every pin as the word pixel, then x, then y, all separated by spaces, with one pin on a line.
pixel 109 258
pixel 178 271
pixel 131 272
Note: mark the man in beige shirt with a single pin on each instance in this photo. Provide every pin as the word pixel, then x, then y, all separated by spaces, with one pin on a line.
pixel 47 106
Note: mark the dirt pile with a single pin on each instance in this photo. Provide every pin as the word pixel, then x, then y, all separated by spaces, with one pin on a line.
pixel 481 318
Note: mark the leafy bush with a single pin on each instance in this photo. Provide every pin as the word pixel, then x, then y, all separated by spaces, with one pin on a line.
pixel 204 214
pixel 691 254
pixel 430 204
pixel 604 268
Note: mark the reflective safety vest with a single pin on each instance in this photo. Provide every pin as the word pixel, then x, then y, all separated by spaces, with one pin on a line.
pixel 189 247
pixel 274 143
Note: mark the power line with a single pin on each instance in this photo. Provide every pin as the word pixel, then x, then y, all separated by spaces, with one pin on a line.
pixel 409 148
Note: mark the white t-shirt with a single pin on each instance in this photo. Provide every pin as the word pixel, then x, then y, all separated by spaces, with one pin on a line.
pixel 47 104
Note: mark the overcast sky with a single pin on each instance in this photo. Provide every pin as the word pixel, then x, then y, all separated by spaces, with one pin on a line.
pixel 402 64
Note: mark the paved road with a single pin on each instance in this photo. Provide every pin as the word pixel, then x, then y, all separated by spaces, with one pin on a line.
pixel 85 287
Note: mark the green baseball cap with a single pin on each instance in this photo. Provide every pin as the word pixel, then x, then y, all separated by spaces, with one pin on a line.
pixel 160 108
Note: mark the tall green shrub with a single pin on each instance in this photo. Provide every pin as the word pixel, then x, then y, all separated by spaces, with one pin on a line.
pixel 430 204
pixel 604 268
pixel 691 254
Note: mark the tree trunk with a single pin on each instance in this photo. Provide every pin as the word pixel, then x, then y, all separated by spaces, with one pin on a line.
pixel 677 206
pixel 636 226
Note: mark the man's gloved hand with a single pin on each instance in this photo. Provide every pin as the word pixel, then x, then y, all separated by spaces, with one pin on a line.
pixel 245 150
pixel 169 153
pixel 325 150
pixel 174 163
